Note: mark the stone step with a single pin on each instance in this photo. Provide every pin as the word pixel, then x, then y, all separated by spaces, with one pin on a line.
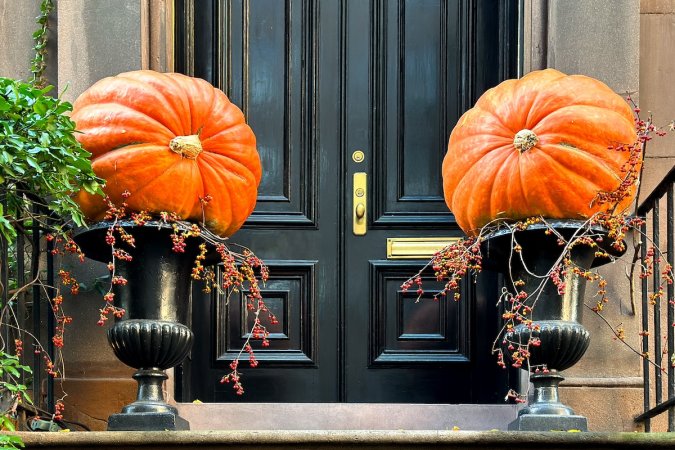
pixel 346 416
pixel 345 439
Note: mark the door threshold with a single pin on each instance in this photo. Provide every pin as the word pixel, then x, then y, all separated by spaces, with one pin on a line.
pixel 346 416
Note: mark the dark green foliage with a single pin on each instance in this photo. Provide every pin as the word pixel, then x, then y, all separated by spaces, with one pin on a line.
pixel 40 159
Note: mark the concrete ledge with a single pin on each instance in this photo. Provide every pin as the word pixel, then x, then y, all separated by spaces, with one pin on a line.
pixel 346 416
pixel 347 440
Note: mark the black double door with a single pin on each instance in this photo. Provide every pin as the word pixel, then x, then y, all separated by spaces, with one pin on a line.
pixel 352 103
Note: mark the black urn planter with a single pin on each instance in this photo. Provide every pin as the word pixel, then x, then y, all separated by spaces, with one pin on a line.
pixel 563 339
pixel 154 333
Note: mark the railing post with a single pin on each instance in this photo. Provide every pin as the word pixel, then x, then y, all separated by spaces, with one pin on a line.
pixel 670 304
pixel 37 310
pixel 645 325
pixel 651 208
pixel 656 300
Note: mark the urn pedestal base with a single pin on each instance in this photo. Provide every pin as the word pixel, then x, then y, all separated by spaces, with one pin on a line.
pixel 151 346
pixel 546 412
pixel 148 421
pixel 548 422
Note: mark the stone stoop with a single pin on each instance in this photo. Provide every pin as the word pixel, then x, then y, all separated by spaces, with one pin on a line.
pixel 346 416
pixel 346 439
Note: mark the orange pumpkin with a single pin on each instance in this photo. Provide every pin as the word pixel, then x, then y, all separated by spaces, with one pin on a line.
pixel 170 140
pixel 537 146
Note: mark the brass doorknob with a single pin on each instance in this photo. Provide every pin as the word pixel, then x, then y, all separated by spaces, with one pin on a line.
pixel 360 210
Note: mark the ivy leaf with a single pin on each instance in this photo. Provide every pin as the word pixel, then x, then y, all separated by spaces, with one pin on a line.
pixel 12 371
pixel 40 108
pixel 33 163
pixel 44 139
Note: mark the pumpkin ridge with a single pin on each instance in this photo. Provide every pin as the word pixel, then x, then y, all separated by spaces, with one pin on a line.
pixel 473 206
pixel 537 195
pixel 232 129
pixel 503 174
pixel 114 96
pixel 225 204
pixel 571 180
pixel 581 111
pixel 171 99
pixel 198 131
pixel 576 90
pixel 129 121
pixel 188 203
pixel 229 158
pixel 139 189
pixel 456 163
pixel 149 188
pixel 237 168
pixel 502 122
pixel 508 135
pixel 186 104
pixel 157 179
pixel 595 141
pixel 600 165
pixel 196 92
pixel 530 122
pixel 602 162
pixel 229 109
pixel 112 156
pixel 512 194
pixel 241 158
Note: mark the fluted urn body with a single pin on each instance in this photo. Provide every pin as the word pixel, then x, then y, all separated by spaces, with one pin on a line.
pixel 556 312
pixel 154 334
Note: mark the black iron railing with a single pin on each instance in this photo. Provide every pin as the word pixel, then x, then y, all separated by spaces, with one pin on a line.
pixel 658 312
pixel 26 312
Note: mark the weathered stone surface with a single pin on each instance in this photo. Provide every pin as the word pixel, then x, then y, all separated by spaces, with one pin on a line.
pixel 91 401
pixel 17 23
pixel 97 38
pixel 346 416
pixel 607 409
pixel 657 6
pixel 599 38
pixel 348 440
pixel 657 69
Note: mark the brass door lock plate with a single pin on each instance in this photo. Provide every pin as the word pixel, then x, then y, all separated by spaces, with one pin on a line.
pixel 360 204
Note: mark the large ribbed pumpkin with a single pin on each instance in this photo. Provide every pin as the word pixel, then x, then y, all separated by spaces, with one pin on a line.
pixel 170 140
pixel 537 146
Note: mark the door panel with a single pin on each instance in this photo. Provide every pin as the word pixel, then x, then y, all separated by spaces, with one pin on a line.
pixel 266 60
pixel 318 80
pixel 415 97
pixel 266 63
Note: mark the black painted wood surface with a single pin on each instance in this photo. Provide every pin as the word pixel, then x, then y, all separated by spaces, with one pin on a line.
pixel 318 80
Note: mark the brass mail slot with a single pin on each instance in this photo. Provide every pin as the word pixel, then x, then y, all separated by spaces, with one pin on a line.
pixel 416 248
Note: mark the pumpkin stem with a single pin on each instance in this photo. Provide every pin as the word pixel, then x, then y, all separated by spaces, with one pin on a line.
pixel 186 146
pixel 525 139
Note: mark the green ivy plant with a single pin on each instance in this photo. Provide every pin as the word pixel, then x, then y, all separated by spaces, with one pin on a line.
pixel 40 36
pixel 41 166
pixel 41 162
pixel 12 392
